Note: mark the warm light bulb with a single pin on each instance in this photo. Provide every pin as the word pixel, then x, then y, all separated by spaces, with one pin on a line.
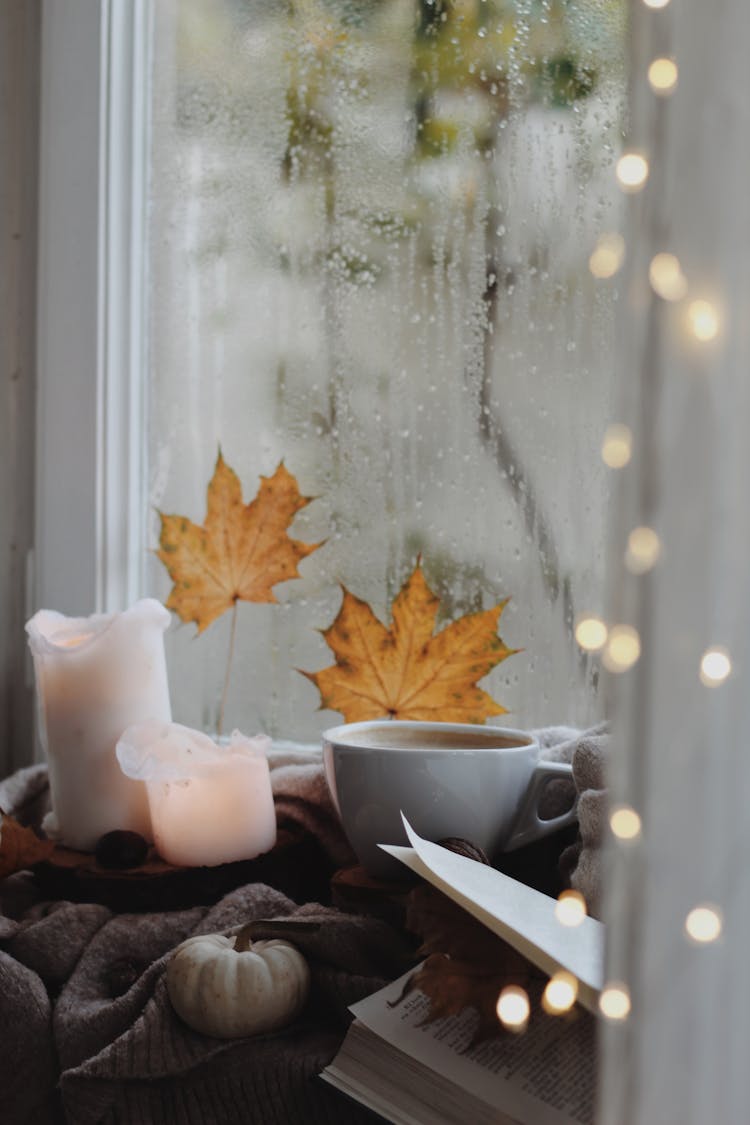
pixel 666 277
pixel 617 446
pixel 607 256
pixel 625 822
pixel 623 648
pixel 703 924
pixel 715 666
pixel 513 1008
pixel 703 320
pixel 560 994
pixel 614 1002
pixel 643 551
pixel 632 171
pixel 591 633
pixel 570 908
pixel 662 76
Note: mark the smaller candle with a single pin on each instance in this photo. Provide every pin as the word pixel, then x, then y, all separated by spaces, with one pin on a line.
pixel 209 803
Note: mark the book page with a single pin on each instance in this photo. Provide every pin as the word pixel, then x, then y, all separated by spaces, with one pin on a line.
pixel 522 916
pixel 402 1089
pixel 542 1076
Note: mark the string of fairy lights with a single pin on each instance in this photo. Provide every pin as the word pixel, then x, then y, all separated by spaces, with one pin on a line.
pixel 618 643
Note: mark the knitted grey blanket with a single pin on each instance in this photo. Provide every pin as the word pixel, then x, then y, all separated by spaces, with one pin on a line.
pixel 87 1033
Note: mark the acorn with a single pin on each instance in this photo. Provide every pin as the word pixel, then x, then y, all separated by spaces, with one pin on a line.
pixel 119 850
pixel 465 848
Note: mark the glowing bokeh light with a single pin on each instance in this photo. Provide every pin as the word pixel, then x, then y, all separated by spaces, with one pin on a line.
pixel 560 994
pixel 617 446
pixel 607 256
pixel 632 171
pixel 662 76
pixel 703 320
pixel 716 665
pixel 623 648
pixel 591 633
pixel 666 277
pixel 643 550
pixel 614 1002
pixel 703 924
pixel 513 1007
pixel 570 908
pixel 625 822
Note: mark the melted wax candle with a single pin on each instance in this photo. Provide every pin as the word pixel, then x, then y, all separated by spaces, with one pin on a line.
pixel 94 677
pixel 209 803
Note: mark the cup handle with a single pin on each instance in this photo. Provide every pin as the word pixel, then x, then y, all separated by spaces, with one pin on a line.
pixel 529 825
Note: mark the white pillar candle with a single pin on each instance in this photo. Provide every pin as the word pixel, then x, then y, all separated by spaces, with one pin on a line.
pixel 95 676
pixel 209 803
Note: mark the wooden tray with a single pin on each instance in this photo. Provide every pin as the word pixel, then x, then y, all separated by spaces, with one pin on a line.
pixel 297 866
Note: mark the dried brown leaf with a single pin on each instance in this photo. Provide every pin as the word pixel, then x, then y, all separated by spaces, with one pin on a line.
pixel 466 964
pixel 20 848
pixel 453 985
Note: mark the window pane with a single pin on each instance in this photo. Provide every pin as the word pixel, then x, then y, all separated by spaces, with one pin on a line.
pixel 371 225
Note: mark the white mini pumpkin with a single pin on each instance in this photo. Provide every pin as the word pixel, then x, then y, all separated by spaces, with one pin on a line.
pixel 231 986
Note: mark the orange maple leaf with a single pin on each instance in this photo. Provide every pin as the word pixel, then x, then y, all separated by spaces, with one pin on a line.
pixel 240 552
pixel 406 672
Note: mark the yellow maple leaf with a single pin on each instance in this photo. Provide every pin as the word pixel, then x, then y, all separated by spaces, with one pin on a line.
pixel 406 672
pixel 240 552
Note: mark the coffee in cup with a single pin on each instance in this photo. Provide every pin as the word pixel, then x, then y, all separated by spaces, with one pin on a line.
pixel 480 783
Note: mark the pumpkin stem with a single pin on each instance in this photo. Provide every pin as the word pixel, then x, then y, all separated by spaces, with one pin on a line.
pixel 244 938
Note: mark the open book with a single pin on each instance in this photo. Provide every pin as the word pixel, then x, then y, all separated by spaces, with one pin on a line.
pixel 427 1074
pixel 416 1074
pixel 523 917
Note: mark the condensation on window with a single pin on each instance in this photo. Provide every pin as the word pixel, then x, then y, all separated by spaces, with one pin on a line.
pixel 371 227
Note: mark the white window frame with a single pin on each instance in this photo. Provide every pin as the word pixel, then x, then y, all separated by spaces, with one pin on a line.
pixel 92 314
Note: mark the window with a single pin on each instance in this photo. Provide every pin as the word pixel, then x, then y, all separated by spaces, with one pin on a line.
pixel 369 242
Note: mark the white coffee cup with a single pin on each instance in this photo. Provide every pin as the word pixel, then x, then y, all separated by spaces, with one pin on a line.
pixel 480 783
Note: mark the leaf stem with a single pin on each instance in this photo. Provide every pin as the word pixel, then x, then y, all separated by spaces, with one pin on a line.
pixel 227 675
